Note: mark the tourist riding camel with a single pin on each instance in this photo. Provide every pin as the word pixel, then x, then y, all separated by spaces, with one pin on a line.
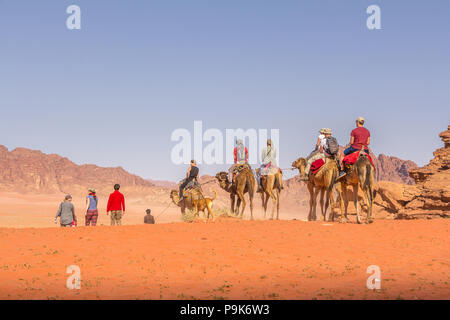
pixel 268 164
pixel 359 139
pixel 191 176
pixel 327 147
pixel 357 170
pixel 240 158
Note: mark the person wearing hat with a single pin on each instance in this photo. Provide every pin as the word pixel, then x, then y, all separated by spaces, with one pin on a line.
pixel 149 219
pixel 91 208
pixel 359 138
pixel 319 153
pixel 319 140
pixel 66 213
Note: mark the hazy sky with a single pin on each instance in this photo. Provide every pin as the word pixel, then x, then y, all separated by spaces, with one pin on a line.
pixel 113 92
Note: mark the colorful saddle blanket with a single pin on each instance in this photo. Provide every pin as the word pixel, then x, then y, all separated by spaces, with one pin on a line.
pixel 316 165
pixel 351 159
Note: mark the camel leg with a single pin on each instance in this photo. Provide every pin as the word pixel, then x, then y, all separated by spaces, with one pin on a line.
pixel 266 201
pixel 238 205
pixel 341 201
pixel 322 192
pixel 271 186
pixel 233 200
pixel 368 200
pixel 274 203
pixel 250 195
pixel 314 207
pixel 346 200
pixel 329 202
pixel 263 204
pixel 355 199
pixel 242 200
pixel 311 201
pixel 278 203
pixel 270 190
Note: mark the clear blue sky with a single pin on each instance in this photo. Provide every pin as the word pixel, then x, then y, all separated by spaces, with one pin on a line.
pixel 112 93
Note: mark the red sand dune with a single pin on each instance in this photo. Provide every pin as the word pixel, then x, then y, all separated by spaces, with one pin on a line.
pixel 229 260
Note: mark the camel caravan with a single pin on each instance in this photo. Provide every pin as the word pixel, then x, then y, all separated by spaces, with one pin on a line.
pixel 325 171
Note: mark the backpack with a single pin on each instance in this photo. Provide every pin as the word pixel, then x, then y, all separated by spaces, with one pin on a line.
pixel 332 146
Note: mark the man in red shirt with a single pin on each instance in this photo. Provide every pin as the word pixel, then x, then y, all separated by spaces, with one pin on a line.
pixel 359 138
pixel 116 206
pixel 240 157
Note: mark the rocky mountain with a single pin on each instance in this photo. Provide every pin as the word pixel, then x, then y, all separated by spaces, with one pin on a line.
pixel 28 171
pixel 393 169
pixel 430 196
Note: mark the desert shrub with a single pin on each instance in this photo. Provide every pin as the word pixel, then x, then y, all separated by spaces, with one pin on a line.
pixel 222 212
pixel 188 216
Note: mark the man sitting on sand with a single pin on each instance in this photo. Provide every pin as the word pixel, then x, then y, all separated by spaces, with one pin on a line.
pixel 149 219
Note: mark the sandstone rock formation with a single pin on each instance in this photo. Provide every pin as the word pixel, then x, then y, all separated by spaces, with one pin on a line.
pixel 28 171
pixel 393 169
pixel 429 197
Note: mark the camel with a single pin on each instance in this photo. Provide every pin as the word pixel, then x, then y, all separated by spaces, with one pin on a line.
pixel 271 186
pixel 324 182
pixel 194 201
pixel 359 175
pixel 244 182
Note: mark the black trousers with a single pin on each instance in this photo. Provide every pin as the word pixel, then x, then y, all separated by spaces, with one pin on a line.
pixel 183 185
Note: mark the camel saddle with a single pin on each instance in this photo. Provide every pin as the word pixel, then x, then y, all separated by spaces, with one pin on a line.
pixel 316 165
pixel 240 167
pixel 194 192
pixel 351 159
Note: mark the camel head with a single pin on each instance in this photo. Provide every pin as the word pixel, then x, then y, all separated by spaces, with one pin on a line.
pixel 222 178
pixel 300 164
pixel 175 197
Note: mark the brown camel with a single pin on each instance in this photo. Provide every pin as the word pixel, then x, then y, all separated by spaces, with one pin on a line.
pixel 359 175
pixel 194 201
pixel 271 186
pixel 323 181
pixel 244 182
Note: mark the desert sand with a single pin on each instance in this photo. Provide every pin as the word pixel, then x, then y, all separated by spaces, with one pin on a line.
pixel 229 259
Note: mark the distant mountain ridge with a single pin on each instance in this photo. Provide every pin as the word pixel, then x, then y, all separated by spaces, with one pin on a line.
pixel 30 171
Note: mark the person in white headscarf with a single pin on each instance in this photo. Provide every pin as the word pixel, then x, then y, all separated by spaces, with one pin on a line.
pixel 268 162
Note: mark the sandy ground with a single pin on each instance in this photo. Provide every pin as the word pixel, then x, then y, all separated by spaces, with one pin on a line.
pixel 229 259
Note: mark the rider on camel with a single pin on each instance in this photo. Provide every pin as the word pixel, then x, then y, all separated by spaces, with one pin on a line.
pixel 240 157
pixel 359 138
pixel 191 175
